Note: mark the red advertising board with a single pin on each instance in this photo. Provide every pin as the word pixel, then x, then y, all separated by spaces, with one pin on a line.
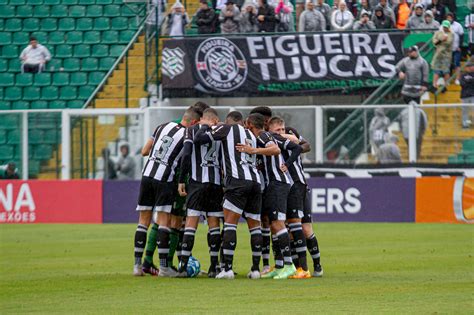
pixel 75 201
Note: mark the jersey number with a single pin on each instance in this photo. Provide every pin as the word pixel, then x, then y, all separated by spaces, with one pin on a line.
pixel 211 152
pixel 250 158
pixel 165 145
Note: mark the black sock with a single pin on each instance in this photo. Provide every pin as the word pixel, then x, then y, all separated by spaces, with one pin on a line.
pixel 313 248
pixel 163 243
pixel 140 242
pixel 284 244
pixel 228 245
pixel 266 246
pixel 180 242
pixel 186 247
pixel 214 241
pixel 299 244
pixel 278 256
pixel 294 255
pixel 256 245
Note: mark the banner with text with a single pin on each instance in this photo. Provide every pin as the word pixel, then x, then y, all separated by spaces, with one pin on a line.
pixel 279 64
pixel 76 201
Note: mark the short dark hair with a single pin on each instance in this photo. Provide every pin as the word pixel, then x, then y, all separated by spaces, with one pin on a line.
pixel 210 112
pixel 262 110
pixel 191 113
pixel 235 116
pixel 257 120
pixel 276 120
pixel 200 107
pixel 32 38
pixel 451 14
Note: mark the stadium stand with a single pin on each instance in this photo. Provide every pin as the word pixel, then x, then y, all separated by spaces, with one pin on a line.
pixel 85 37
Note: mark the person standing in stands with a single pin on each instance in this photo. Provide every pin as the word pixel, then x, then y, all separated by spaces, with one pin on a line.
pixel 205 18
pixel 126 164
pixel 387 11
pixel 364 23
pixel 248 18
pixel 441 62
pixel 9 172
pixel 458 34
pixel 229 18
pixel 402 14
pixel 311 20
pixel 325 10
pixel 421 124
pixel 284 15
pixel 416 18
pixel 469 24
pixel 342 19
pixel 380 20
pixel 266 17
pixel 176 21
pixel 363 5
pixel 429 23
pixel 108 165
pixel 414 71
pixel 438 10
pixel 467 92
pixel 34 57
pixel 389 152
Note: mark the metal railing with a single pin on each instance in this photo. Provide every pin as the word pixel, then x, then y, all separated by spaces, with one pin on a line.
pixel 359 118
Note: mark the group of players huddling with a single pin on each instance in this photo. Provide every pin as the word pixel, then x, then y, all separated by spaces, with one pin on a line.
pixel 248 168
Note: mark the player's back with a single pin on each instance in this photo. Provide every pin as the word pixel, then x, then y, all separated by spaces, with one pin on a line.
pixel 272 163
pixel 205 159
pixel 238 165
pixel 164 155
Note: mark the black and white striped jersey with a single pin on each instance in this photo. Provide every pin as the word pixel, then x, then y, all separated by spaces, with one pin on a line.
pixel 295 169
pixel 205 159
pixel 272 171
pixel 166 151
pixel 235 164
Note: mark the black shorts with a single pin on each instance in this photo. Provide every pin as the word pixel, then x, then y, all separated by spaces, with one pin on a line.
pixel 296 199
pixel 243 197
pixel 204 199
pixel 307 217
pixel 275 199
pixel 156 195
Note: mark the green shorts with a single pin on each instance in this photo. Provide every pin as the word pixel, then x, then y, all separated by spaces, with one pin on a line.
pixel 179 205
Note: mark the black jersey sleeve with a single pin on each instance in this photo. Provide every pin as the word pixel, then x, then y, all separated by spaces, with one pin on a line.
pixel 264 139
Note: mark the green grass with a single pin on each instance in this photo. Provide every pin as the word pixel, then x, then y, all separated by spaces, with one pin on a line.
pixel 369 268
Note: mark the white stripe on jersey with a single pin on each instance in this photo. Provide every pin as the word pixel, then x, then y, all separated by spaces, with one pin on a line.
pixel 243 140
pixel 230 146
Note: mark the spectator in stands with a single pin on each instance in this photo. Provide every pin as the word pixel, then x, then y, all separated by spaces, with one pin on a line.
pixel 441 62
pixel 421 124
pixel 381 21
pixel 176 21
pixel 389 152
pixel 469 24
pixel 364 23
pixel 387 11
pixel 125 166
pixel 438 10
pixel 300 7
pixel 312 20
pixel 266 17
pixel 34 57
pixel 414 71
pixel 458 34
pixel 325 10
pixel 416 18
pixel 363 5
pixel 284 15
pixel 342 19
pixel 467 92
pixel 402 14
pixel 108 165
pixel 248 18
pixel 429 23
pixel 451 5
pixel 378 128
pixel 10 172
pixel 343 156
pixel 205 18
pixel 229 18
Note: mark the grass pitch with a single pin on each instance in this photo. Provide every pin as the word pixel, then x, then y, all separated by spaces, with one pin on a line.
pixel 369 268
